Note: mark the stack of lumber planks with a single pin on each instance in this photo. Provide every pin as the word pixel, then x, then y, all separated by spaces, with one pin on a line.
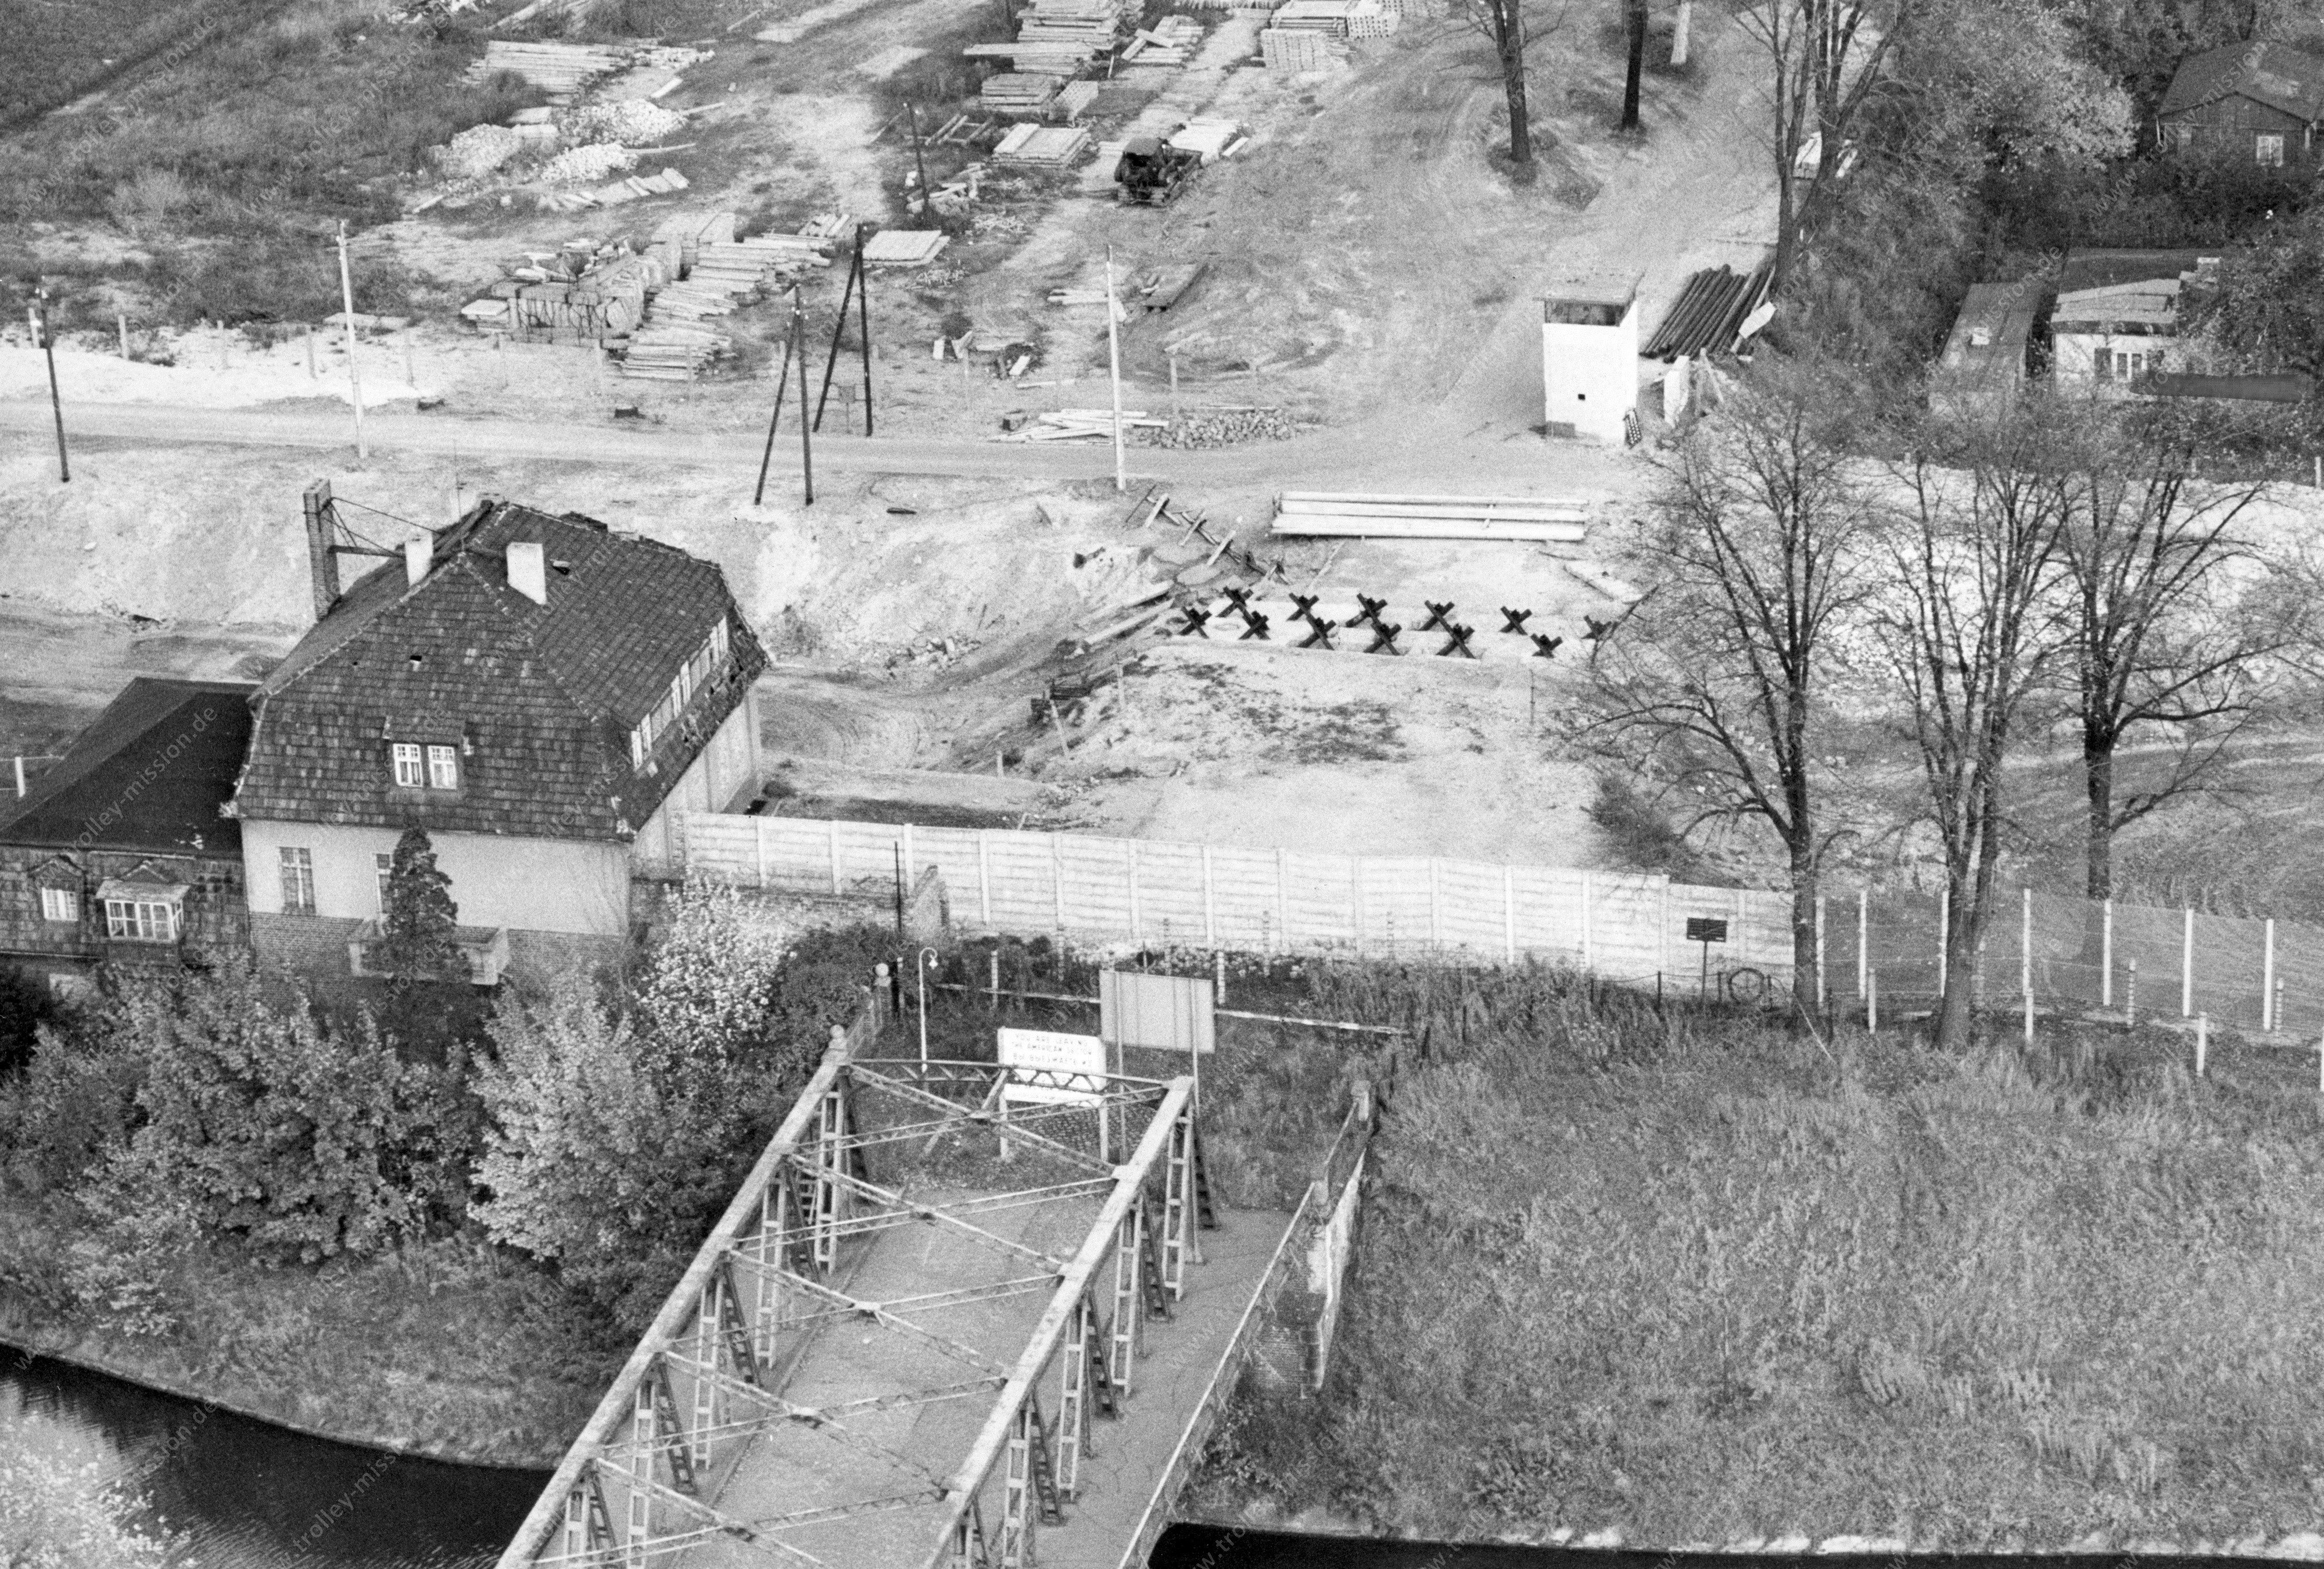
pixel 904 247
pixel 1170 42
pixel 1082 424
pixel 1430 517
pixel 1096 24
pixel 558 70
pixel 577 295
pixel 1036 147
pixel 1019 92
pixel 681 238
pixel 1075 100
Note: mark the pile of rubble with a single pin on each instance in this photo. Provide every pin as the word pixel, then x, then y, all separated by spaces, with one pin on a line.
pixel 630 122
pixel 580 293
pixel 1221 428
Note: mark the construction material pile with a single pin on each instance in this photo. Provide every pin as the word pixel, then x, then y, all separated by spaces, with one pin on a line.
pixel 1214 139
pixel 1293 52
pixel 1038 58
pixel 1096 24
pixel 1074 425
pixel 1709 312
pixel 558 70
pixel 709 273
pixel 1335 18
pixel 629 188
pixel 1430 517
pixel 1032 146
pixel 630 122
pixel 1171 41
pixel 1222 428
pixel 477 150
pixel 578 165
pixel 579 294
pixel 1026 93
pixel 1075 99
pixel 904 247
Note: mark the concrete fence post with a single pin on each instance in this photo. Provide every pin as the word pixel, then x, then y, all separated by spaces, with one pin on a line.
pixel 1510 912
pixel 1863 940
pixel 1818 953
pixel 1944 936
pixel 2106 954
pixel 1210 902
pixel 984 877
pixel 1356 900
pixel 1136 926
pixel 759 844
pixel 1435 908
pixel 834 837
pixel 1057 879
pixel 911 867
pixel 1282 897
pixel 1589 935
pixel 2267 1019
pixel 2202 1041
pixel 2026 947
pixel 2187 961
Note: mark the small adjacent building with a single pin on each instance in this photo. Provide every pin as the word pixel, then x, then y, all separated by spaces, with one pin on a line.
pixel 120 853
pixel 543 695
pixel 1990 352
pixel 1590 357
pixel 2117 317
pixel 2257 101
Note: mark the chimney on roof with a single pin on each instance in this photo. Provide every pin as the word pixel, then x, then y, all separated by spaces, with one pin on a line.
pixel 417 551
pixel 528 572
pixel 321 559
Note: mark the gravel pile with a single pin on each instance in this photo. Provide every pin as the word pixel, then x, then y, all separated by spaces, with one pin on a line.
pixel 477 152
pixel 577 165
pixel 631 122
pixel 1224 429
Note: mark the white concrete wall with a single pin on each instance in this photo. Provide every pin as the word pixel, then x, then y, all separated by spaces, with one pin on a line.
pixel 2073 357
pixel 547 885
pixel 1590 376
pixel 725 769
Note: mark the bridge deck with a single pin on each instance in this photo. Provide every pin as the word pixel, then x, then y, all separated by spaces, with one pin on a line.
pixel 791 1467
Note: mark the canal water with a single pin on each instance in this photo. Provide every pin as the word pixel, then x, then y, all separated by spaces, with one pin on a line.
pixel 240 1494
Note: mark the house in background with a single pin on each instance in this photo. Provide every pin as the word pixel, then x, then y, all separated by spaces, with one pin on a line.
pixel 1989 351
pixel 2260 101
pixel 2118 313
pixel 540 694
pixel 119 854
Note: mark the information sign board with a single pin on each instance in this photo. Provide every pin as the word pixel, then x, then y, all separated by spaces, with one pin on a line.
pixel 1052 1068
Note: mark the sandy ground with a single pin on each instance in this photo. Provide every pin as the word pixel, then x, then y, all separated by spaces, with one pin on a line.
pixel 1366 268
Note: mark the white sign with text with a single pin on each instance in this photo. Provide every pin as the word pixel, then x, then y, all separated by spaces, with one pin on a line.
pixel 1054 1068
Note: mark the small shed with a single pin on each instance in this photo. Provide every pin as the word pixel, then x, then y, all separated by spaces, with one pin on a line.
pixel 2117 317
pixel 1589 356
pixel 2262 101
pixel 1992 337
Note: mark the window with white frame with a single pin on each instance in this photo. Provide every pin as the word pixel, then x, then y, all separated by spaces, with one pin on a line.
pixel 59 904
pixel 410 772
pixel 693 675
pixel 383 866
pixel 2129 365
pixel 443 768
pixel 298 864
pixel 2267 150
pixel 142 920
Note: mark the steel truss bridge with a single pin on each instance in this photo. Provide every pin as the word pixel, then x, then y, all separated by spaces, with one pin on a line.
pixel 934 1325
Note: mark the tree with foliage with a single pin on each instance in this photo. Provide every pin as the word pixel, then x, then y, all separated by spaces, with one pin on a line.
pixel 1969 623
pixel 26 1005
pixel 62 1514
pixel 619 1128
pixel 300 1143
pixel 1720 679
pixel 417 939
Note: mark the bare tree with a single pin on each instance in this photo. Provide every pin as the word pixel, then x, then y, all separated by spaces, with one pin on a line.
pixel 1969 624
pixel 1634 14
pixel 1718 679
pixel 1826 57
pixel 1509 25
pixel 2172 624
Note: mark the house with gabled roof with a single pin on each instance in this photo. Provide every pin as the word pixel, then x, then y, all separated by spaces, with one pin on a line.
pixel 543 695
pixel 2260 101
pixel 119 854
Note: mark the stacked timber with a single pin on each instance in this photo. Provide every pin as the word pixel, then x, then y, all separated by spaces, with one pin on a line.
pixel 558 70
pixel 1170 42
pixel 1337 18
pixel 1710 312
pixel 1081 425
pixel 681 238
pixel 1096 24
pixel 1026 93
pixel 1294 52
pixel 1036 147
pixel 904 247
pixel 1074 100
pixel 1430 517
pixel 577 295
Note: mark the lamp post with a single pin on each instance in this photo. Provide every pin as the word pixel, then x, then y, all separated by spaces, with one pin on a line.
pixel 928 958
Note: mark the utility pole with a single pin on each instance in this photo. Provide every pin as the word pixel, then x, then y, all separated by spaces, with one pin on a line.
pixel 782 384
pixel 839 326
pixel 55 399
pixel 806 442
pixel 355 381
pixel 1113 354
pixel 864 322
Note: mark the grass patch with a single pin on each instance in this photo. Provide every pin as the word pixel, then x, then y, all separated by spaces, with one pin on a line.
pixel 234 166
pixel 1642 835
pixel 1702 1278
pixel 446 1345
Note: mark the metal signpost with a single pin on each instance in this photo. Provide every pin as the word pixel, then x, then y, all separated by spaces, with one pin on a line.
pixel 1705 930
pixel 1049 1067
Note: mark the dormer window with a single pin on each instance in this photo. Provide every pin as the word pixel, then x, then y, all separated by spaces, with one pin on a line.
pixel 444 768
pixel 425 767
pixel 142 912
pixel 691 677
pixel 409 769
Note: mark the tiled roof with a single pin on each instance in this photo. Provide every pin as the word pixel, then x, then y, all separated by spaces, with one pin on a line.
pixel 2273 74
pixel 541 698
pixel 149 774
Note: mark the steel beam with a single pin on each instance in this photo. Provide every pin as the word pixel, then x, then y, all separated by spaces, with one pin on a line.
pixel 808 1416
pixel 904 1327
